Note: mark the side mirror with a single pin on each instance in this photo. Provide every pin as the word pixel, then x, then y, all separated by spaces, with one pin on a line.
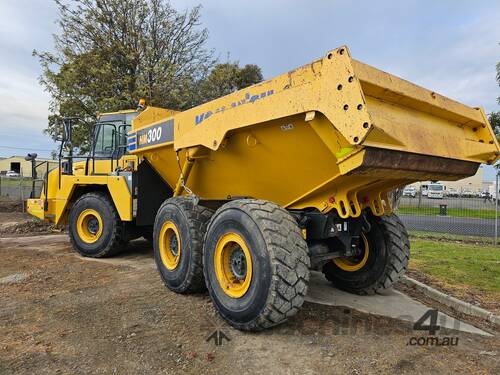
pixel 31 157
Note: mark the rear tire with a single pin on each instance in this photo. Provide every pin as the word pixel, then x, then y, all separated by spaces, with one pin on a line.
pixel 387 261
pixel 95 229
pixel 256 264
pixel 179 228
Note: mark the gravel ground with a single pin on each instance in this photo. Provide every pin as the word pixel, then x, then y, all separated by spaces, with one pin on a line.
pixel 61 313
pixel 22 224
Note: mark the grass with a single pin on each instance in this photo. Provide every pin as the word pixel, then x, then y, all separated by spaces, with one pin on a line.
pixel 436 236
pixel 458 265
pixel 456 212
pixel 13 182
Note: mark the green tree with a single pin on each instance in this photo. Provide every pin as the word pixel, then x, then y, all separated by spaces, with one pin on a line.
pixel 250 74
pixel 494 119
pixel 227 78
pixel 110 53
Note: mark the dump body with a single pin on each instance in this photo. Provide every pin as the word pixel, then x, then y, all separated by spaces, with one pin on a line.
pixel 333 134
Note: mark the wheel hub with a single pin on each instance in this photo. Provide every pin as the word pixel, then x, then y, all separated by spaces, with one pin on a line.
pixel 238 263
pixel 174 245
pixel 89 225
pixel 357 260
pixel 93 225
pixel 233 265
pixel 170 245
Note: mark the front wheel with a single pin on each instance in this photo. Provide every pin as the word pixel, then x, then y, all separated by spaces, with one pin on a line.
pixel 256 264
pixel 95 229
pixel 383 260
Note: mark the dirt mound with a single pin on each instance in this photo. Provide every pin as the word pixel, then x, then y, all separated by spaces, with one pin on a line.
pixel 8 204
pixel 26 228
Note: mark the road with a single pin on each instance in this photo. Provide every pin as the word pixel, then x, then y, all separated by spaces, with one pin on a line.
pixel 449 224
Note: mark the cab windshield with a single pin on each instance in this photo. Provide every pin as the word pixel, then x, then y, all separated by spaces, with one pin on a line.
pixel 110 135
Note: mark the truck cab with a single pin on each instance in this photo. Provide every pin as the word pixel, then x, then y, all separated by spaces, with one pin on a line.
pixel 435 191
pixel 109 144
pixel 79 174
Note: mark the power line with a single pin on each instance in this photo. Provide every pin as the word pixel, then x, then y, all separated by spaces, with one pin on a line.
pixel 24 148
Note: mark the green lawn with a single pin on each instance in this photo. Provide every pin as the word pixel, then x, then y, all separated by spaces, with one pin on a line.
pixel 437 236
pixel 458 265
pixel 457 212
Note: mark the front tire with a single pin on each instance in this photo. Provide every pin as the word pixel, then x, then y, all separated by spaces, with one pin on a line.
pixel 256 264
pixel 384 259
pixel 95 229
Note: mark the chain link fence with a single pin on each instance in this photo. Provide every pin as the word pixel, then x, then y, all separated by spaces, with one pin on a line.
pixel 455 214
pixel 18 189
pixel 461 214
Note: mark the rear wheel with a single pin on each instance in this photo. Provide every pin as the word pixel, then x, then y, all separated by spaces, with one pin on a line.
pixel 383 260
pixel 256 264
pixel 95 229
pixel 178 242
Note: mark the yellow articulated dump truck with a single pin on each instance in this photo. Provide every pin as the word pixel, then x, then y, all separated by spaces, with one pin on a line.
pixel 248 193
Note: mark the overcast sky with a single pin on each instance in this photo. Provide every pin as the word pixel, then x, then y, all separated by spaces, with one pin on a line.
pixel 449 46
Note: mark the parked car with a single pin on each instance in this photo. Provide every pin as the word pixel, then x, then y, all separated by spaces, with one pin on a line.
pixel 435 191
pixel 410 191
pixel 452 193
pixel 12 174
pixel 467 194
pixel 486 195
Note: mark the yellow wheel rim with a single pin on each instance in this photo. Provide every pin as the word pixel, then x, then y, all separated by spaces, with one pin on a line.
pixel 170 245
pixel 89 225
pixel 353 264
pixel 233 265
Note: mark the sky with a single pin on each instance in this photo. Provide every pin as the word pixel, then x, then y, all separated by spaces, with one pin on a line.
pixel 449 46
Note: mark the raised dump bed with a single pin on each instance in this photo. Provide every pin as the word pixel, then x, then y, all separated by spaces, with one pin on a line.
pixel 333 134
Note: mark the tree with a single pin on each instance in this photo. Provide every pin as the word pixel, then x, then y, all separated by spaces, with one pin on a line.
pixel 227 78
pixel 250 74
pixel 110 53
pixel 494 119
pixel 395 196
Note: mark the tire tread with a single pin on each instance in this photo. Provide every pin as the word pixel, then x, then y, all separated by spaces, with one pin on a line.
pixel 117 242
pixel 398 245
pixel 197 220
pixel 289 259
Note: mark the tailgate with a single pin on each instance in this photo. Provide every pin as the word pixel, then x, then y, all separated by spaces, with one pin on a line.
pixel 409 118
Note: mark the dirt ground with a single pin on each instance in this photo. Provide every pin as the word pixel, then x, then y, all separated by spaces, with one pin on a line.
pixel 60 313
pixel 8 204
pixel 22 224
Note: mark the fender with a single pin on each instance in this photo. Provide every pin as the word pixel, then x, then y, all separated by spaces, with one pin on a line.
pixel 60 199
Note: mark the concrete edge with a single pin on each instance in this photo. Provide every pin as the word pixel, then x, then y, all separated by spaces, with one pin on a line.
pixel 459 305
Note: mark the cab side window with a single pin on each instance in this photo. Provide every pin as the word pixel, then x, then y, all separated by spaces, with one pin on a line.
pixel 122 137
pixel 105 140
